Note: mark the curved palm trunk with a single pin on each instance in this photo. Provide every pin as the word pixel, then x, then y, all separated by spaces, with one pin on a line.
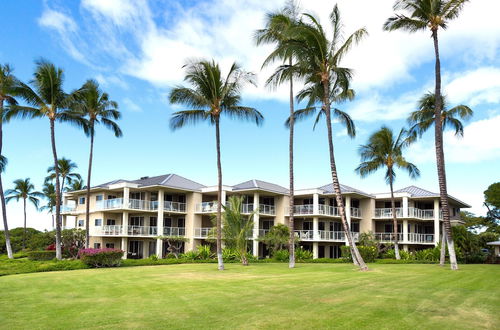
pixel 442 256
pixel 441 169
pixel 58 191
pixel 291 225
pixel 89 173
pixel 220 262
pixel 2 196
pixel 356 256
pixel 394 221
pixel 24 231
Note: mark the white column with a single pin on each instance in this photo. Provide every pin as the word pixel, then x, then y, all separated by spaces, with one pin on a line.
pixel 124 247
pixel 315 203
pixel 256 220
pixel 436 222
pixel 405 230
pixel 316 228
pixel 348 214
pixel 159 219
pixel 126 197
pixel 125 223
pixel 159 248
pixel 223 197
pixel 315 250
pixel 405 247
pixel 405 207
pixel 64 221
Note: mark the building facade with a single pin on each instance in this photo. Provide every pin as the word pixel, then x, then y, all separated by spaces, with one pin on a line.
pixel 132 214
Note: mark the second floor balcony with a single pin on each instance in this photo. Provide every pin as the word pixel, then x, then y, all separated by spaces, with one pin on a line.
pixel 323 210
pixel 413 212
pixel 408 238
pixel 148 231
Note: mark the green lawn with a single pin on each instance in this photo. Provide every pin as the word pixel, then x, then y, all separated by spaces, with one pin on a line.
pixel 258 296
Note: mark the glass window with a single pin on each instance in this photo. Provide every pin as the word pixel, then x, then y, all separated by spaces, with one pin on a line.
pixel 99 198
pixel 97 245
pixel 136 221
pixel 110 245
pixel 111 222
pixel 81 200
pixel 98 222
pixel 308 225
pixel 181 223
pixel 81 223
pixel 152 221
pixel 355 227
pixel 167 222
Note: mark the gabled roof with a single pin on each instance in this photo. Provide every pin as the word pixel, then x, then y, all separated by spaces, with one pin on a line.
pixel 169 180
pixel 344 189
pixel 260 185
pixel 415 191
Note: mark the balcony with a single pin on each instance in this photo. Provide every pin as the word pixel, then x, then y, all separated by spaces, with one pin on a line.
pixel 355 212
pixel 420 214
pixel 420 238
pixel 206 207
pixel 174 231
pixel 412 238
pixel 302 209
pixel 68 208
pixel 267 209
pixel 110 230
pixel 203 232
pixel 174 207
pixel 109 204
pixel 263 232
pixel 331 235
pixel 386 213
pixel 142 231
pixel 247 208
pixel 304 235
pixel 328 210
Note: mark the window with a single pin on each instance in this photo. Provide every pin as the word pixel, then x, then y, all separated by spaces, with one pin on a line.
pixel 268 200
pixel 153 221
pixel 154 197
pixel 308 225
pixel 355 227
pixel 81 223
pixel 110 245
pixel 97 245
pixel 136 221
pixel 111 222
pixel 98 222
pixel 321 225
pixel 181 223
pixel 111 197
pixel 81 200
pixel 355 203
pixel 267 224
pixel 182 198
pixel 167 222
pixel 136 195
pixel 98 198
pixel 337 226
pixel 308 201
pixel 168 198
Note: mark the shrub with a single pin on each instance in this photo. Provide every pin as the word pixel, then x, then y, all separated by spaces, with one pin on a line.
pixel 21 254
pixel 281 255
pixel 204 252
pixel 391 254
pixel 230 255
pixel 301 254
pixel 428 254
pixel 190 255
pixel 153 257
pixel 368 253
pixel 41 255
pixel 101 257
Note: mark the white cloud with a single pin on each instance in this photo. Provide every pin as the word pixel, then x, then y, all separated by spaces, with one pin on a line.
pixel 481 142
pixel 474 87
pixel 108 80
pixel 131 105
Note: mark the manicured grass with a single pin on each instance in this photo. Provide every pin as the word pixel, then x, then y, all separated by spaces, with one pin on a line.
pixel 258 296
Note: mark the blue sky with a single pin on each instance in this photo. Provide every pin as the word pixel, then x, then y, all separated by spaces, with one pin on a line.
pixel 136 49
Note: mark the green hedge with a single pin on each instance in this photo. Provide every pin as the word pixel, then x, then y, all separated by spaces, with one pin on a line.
pixel 101 257
pixel 368 253
pixel 41 255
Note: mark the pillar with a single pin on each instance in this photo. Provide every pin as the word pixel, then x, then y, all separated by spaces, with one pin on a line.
pixel 316 228
pixel 125 223
pixel 159 222
pixel 405 230
pixel 64 222
pixel 436 222
pixel 125 247
pixel 256 220
pixel 159 248
pixel 223 197
pixel 405 247
pixel 126 197
pixel 405 207
pixel 348 210
pixel 192 219
pixel 315 203
pixel 315 250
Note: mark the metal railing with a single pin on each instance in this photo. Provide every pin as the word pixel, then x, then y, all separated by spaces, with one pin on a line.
pixel 304 235
pixel 108 204
pixel 247 208
pixel 328 210
pixel 139 204
pixel 420 238
pixel 142 231
pixel 174 206
pixel 202 232
pixel 267 209
pixel 331 235
pixel 355 212
pixel 302 209
pixel 68 208
pixel 386 213
pixel 174 231
pixel 413 212
pixel 263 232
pixel 206 207
pixel 112 230
pixel 387 237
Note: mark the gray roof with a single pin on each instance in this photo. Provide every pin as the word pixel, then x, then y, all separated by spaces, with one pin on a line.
pixel 167 180
pixel 328 189
pixel 417 192
pixel 260 185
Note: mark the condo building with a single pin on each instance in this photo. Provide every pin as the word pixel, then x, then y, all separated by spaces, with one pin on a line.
pixel 132 214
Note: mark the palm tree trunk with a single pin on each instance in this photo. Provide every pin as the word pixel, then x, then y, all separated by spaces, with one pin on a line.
pixel 442 256
pixel 291 225
pixel 220 262
pixel 356 256
pixel 24 232
pixel 2 196
pixel 58 191
pixel 441 169
pixel 87 205
pixel 394 220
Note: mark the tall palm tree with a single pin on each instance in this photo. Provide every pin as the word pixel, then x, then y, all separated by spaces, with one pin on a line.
pixel 65 171
pixel 49 193
pixel 8 83
pixel 275 32
pixel 318 64
pixel 25 190
pixel 422 15
pixel 211 96
pixel 423 118
pixel 384 150
pixel 47 99
pixel 97 108
pixel 76 185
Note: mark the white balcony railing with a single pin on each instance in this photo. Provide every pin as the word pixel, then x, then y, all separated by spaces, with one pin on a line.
pixel 109 204
pixel 139 204
pixel 111 230
pixel 388 237
pixel 331 235
pixel 267 209
pixel 68 208
pixel 174 231
pixel 328 210
pixel 263 232
pixel 302 209
pixel 420 238
pixel 386 213
pixel 247 208
pixel 305 235
pixel 413 212
pixel 174 206
pixel 206 207
pixel 355 212
pixel 202 232
pixel 142 231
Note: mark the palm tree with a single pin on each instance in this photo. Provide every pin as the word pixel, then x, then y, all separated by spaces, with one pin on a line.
pixel 423 118
pixel 65 171
pixel 47 99
pixel 76 185
pixel 432 14
pixel 211 96
pixel 317 62
pixel 384 150
pixel 97 108
pixel 8 83
pixel 275 32
pixel 237 228
pixel 25 190
pixel 49 193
